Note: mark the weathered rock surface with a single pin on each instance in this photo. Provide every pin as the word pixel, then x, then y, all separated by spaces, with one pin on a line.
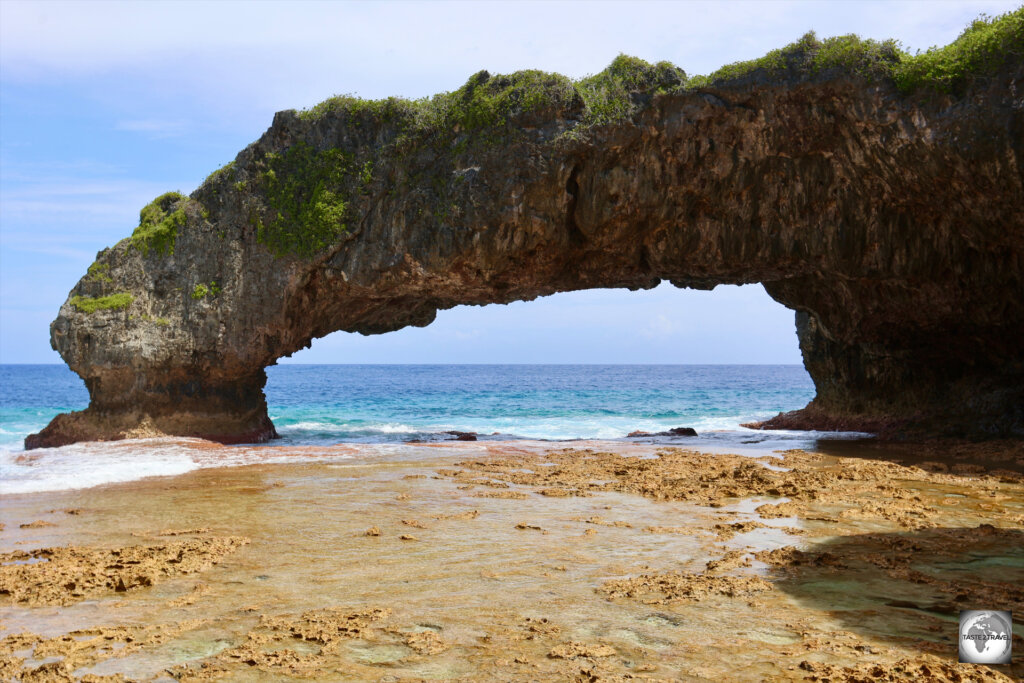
pixel 893 225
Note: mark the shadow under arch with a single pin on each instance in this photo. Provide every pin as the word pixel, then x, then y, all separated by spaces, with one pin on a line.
pixel 907 588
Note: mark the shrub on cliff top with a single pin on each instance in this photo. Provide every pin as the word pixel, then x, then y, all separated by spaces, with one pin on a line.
pixel 868 58
pixel 158 224
pixel 608 94
pixel 486 101
pixel 388 109
pixel 112 302
pixel 983 47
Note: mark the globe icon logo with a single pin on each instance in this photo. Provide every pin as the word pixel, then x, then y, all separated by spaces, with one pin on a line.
pixel 986 637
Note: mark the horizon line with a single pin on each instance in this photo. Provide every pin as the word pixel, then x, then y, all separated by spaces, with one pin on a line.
pixel 464 364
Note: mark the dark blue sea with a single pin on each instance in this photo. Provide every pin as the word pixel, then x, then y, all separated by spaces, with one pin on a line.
pixel 381 405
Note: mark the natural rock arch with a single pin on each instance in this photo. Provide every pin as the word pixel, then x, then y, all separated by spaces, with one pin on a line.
pixel 892 223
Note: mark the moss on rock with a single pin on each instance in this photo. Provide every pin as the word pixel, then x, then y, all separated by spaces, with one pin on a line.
pixel 111 302
pixel 99 273
pixel 307 191
pixel 159 222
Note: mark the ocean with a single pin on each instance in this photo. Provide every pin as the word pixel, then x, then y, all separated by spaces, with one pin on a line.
pixel 381 407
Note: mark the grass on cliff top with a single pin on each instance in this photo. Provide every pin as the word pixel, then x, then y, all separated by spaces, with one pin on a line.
pixel 158 224
pixel 111 302
pixel 485 100
pixel 867 58
pixel 608 94
pixel 984 46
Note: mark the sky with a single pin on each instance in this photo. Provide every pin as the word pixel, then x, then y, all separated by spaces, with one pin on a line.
pixel 105 105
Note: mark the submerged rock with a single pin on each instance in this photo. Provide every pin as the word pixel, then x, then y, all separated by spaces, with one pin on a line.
pixel 889 218
pixel 463 436
pixel 675 431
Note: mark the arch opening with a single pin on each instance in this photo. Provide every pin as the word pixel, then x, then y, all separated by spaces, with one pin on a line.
pixel 590 364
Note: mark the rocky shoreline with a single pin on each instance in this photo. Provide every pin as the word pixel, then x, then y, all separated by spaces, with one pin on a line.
pixel 642 563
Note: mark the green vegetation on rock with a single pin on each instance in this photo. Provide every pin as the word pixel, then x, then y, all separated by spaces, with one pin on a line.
pixel 487 101
pixel 201 290
pixel 607 94
pixel 307 190
pixel 228 168
pixel 387 110
pixel 981 49
pixel 99 272
pixel 112 302
pixel 158 224
pixel 810 55
pixel 484 102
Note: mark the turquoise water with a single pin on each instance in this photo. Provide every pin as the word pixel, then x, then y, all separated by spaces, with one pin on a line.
pixel 369 403
pixel 326 404
pixel 377 408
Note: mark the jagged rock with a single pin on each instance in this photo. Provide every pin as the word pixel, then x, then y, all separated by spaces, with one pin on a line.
pixel 891 222
pixel 462 436
pixel 675 431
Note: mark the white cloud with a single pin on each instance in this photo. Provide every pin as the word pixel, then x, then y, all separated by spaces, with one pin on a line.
pixel 279 55
pixel 660 327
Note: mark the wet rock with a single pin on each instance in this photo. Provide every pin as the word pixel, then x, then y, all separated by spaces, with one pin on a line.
pixel 38 524
pixel 463 436
pixel 65 575
pixel 675 431
pixel 726 531
pixel 657 589
pixel 731 560
pixel 426 642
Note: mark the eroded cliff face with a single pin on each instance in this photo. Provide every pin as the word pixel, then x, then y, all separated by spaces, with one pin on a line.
pixel 892 224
